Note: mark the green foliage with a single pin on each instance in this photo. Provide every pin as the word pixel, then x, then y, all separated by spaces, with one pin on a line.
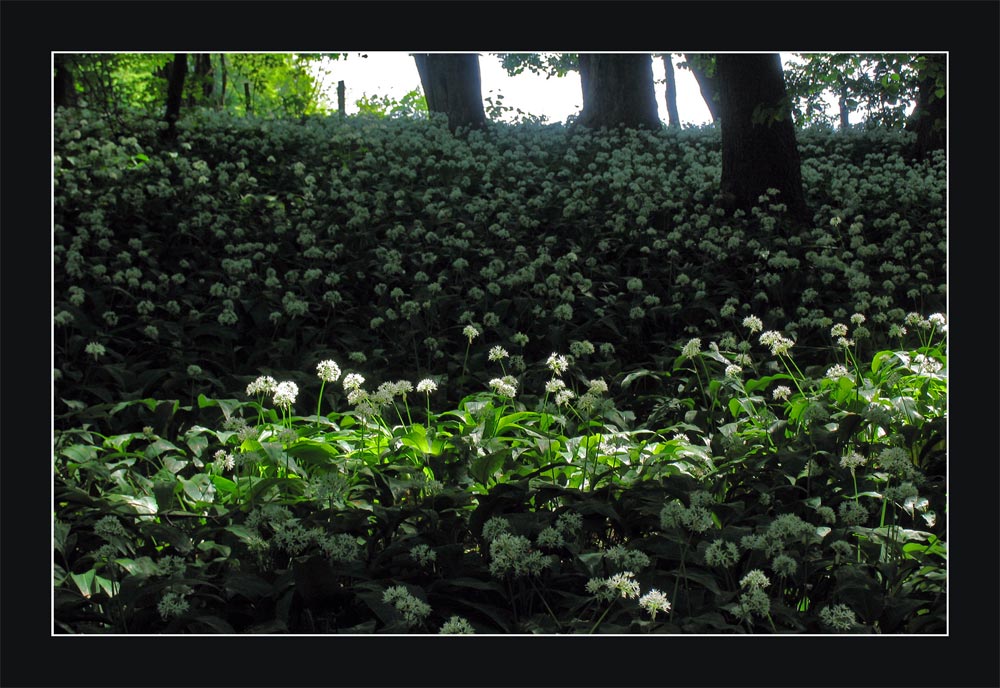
pixel 664 446
pixel 881 86
pixel 548 64
pixel 412 105
pixel 497 111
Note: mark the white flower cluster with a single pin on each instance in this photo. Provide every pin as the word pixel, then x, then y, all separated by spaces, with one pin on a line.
pixel 413 609
pixel 620 585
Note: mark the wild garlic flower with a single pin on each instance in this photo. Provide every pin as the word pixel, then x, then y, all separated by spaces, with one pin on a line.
pixel 838 617
pixel 838 330
pixel 456 625
pixel 353 381
pixel 781 393
pixel 654 602
pixel 498 353
pixel 853 460
pixel 505 386
pixel 512 555
pixel 852 513
pixel 550 538
pixel 626 559
pixel 939 321
pixel 554 386
pixel 753 601
pixel 784 565
pixel 519 338
pixel 471 332
pixel 897 460
pixel 722 554
pixel 733 370
pixel 755 579
pixel 753 323
pixel 224 460
pixel 778 343
pixel 414 610
pixel 835 372
pixel 620 585
pixel 172 605
pixel 427 386
pixel 265 384
pixel 557 363
pixel 857 318
pixel 564 396
pixel 328 371
pixel 494 527
pixel 598 386
pixel 285 393
pixel 423 555
pixel 108 527
pixel 692 348
pixel 95 349
pixel 924 365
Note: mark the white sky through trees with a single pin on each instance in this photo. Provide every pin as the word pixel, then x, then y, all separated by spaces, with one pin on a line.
pixel 394 74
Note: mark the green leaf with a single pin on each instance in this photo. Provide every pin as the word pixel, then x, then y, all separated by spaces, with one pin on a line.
pixel 84 582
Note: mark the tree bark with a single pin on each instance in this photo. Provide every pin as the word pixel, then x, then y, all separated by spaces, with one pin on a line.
pixel 222 93
pixel 63 87
pixel 175 91
pixel 617 91
pixel 204 77
pixel 845 113
pixel 452 85
pixel 930 115
pixel 707 83
pixel 671 92
pixel 759 151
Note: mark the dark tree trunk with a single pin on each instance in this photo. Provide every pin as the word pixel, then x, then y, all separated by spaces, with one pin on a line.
pixel 203 78
pixel 759 150
pixel 845 113
pixel 63 87
pixel 671 92
pixel 707 82
pixel 617 91
pixel 247 97
pixel 930 115
pixel 453 85
pixel 175 91
pixel 222 92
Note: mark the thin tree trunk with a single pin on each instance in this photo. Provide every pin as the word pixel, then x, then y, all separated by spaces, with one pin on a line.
pixel 222 92
pixel 247 97
pixel 63 87
pixel 670 94
pixel 930 116
pixel 759 150
pixel 845 113
pixel 175 91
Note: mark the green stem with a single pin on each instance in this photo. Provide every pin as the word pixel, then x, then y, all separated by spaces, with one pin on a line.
pixel 319 401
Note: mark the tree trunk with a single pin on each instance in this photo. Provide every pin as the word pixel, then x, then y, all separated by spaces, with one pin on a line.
pixel 203 78
pixel 247 97
pixel 222 93
pixel 453 85
pixel 617 91
pixel 759 151
pixel 175 91
pixel 930 115
pixel 707 82
pixel 63 87
pixel 845 113
pixel 671 92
